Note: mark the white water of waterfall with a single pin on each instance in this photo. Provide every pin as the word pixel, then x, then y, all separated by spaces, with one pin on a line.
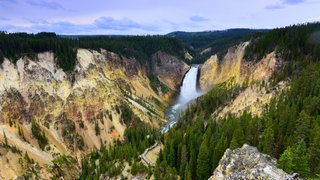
pixel 188 92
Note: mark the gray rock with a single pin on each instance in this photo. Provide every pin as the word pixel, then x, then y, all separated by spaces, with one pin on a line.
pixel 248 163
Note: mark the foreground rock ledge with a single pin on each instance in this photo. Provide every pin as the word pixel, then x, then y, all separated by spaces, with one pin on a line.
pixel 248 163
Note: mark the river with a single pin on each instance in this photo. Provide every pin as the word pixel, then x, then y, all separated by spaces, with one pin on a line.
pixel 188 92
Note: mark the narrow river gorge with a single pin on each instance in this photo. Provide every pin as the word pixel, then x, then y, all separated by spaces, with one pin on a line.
pixel 188 92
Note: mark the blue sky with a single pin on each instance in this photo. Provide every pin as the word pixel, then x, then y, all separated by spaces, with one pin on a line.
pixel 141 17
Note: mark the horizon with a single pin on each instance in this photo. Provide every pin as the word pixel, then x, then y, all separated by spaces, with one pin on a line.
pixel 151 17
pixel 166 34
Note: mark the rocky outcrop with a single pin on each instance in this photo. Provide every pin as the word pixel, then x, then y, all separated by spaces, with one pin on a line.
pixel 169 70
pixel 234 68
pixel 248 163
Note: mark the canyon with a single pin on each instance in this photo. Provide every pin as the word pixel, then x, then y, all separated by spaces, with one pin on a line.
pixel 69 106
pixel 38 90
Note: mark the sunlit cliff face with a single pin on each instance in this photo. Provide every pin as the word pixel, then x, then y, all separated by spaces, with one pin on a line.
pixel 36 89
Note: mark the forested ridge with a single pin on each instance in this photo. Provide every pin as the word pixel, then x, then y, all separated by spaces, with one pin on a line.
pixel 216 42
pixel 15 45
pixel 288 130
pixel 292 42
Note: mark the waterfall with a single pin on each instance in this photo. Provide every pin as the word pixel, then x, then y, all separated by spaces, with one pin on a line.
pixel 188 92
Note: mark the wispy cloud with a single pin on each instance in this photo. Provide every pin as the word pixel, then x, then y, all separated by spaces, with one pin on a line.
pixel 100 25
pixel 275 6
pixel 45 4
pixel 292 1
pixel 198 19
pixel 4 19
pixel 283 4
pixel 121 24
pixel 7 3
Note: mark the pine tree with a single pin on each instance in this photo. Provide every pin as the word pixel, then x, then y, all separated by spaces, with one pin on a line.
pixel 302 126
pixel 19 130
pixel 5 139
pixel 97 128
pixel 193 164
pixel 285 161
pixel 160 156
pixel 234 144
pixel 268 139
pixel 172 158
pixel 203 163
pixel 187 173
pixel 239 135
pixel 27 158
pixel 219 150
pixel 183 160
pixel 301 159
pixel 315 149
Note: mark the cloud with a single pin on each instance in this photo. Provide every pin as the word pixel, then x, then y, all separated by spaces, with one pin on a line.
pixel 61 27
pixel 273 7
pixel 284 3
pixel 45 4
pixel 124 24
pixel 4 19
pixel 198 19
pixel 291 2
pixel 102 25
pixel 10 1
pixel 7 3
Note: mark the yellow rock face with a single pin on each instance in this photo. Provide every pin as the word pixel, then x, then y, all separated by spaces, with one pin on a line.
pixel 214 72
pixel 169 69
pixel 233 68
pixel 207 72
pixel 37 89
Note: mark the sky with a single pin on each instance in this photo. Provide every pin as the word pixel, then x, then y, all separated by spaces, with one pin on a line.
pixel 144 17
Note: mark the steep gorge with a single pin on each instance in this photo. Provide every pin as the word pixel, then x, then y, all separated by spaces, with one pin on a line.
pixel 77 109
pixel 233 69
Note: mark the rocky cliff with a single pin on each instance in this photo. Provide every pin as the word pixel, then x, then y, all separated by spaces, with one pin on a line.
pixel 169 69
pixel 248 163
pixel 234 69
pixel 70 106
pixel 214 71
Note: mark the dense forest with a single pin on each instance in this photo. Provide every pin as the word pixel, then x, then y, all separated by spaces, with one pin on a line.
pixel 288 130
pixel 15 45
pixel 218 42
pixel 292 42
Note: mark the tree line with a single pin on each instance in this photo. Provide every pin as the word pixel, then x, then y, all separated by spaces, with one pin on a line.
pixel 15 45
pixel 292 42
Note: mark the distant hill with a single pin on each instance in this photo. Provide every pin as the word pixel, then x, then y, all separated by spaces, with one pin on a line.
pixel 212 42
